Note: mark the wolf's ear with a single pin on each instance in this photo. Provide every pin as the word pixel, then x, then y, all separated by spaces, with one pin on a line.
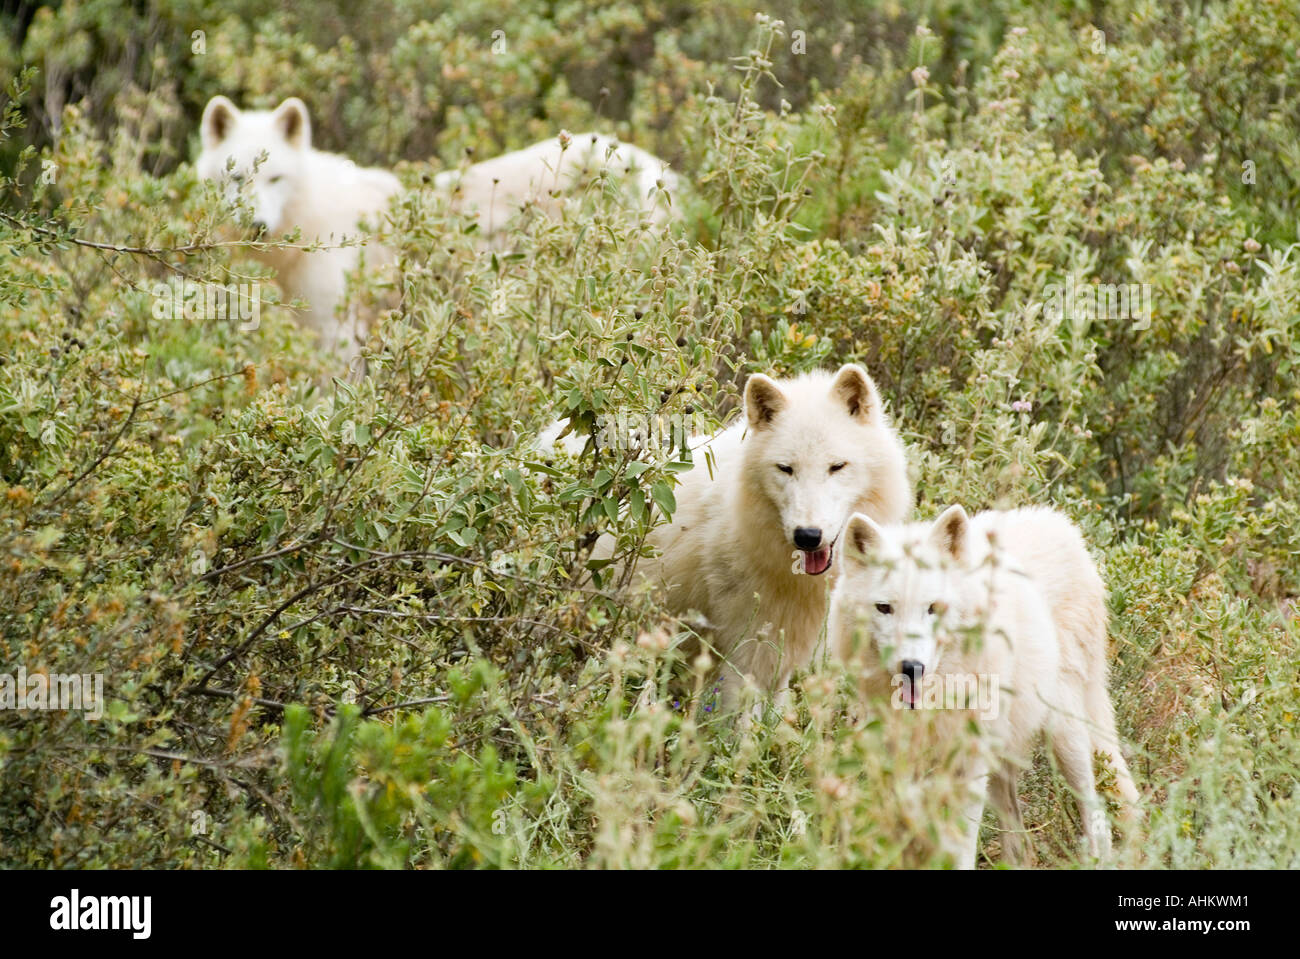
pixel 949 532
pixel 863 538
pixel 763 400
pixel 219 118
pixel 293 123
pixel 857 391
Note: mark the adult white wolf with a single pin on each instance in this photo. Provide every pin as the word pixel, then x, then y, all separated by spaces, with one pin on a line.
pixel 547 171
pixel 324 195
pixel 1010 599
pixel 758 526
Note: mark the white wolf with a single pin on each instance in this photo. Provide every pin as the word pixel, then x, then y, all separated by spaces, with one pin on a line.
pixel 545 172
pixel 1010 596
pixel 295 186
pixel 760 514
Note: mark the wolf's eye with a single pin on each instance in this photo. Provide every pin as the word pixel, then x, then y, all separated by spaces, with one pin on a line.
pixel 788 470
pixel 836 467
pixel 884 608
pixel 276 179
pixel 937 608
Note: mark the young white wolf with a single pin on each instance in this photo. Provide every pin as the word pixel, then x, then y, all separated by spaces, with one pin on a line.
pixel 1007 600
pixel 265 158
pixel 547 171
pixel 758 525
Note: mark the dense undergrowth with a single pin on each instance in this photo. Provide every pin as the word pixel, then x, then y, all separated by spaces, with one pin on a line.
pixel 358 625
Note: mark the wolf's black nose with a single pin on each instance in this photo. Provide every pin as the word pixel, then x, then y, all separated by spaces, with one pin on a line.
pixel 912 670
pixel 807 537
pixel 259 227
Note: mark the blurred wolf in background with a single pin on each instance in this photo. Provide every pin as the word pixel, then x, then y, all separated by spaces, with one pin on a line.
pixel 326 196
pixel 546 172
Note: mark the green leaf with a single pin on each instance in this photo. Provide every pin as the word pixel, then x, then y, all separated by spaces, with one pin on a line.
pixel 662 494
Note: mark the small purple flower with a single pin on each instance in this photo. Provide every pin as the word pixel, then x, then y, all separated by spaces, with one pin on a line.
pixel 1022 406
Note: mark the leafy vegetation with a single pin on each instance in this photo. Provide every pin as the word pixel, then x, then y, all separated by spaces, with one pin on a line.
pixel 360 625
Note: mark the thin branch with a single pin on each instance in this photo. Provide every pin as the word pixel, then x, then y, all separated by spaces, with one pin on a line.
pixel 135 406
pixel 260 557
pixel 232 694
pixel 376 710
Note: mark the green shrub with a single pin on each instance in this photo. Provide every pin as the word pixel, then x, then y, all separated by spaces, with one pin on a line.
pixel 361 625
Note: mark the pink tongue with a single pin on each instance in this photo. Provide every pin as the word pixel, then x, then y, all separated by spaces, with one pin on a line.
pixel 816 561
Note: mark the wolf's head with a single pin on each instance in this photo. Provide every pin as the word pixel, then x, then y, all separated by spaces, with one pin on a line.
pixel 257 155
pixel 816 449
pixel 891 606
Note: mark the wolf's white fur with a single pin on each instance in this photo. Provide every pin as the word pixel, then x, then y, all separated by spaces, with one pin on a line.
pixel 497 188
pixel 1009 595
pixel 325 195
pixel 729 552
